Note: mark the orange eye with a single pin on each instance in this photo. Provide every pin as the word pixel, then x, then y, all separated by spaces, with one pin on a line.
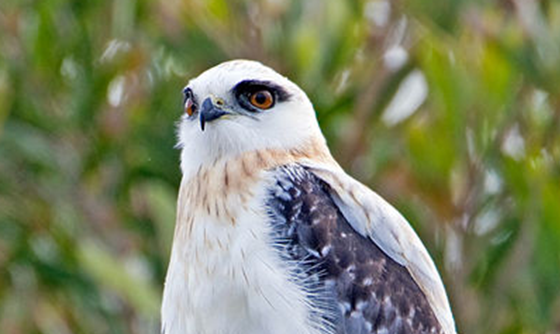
pixel 189 106
pixel 262 99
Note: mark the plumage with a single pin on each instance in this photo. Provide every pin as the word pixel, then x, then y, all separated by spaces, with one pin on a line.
pixel 272 236
pixel 372 293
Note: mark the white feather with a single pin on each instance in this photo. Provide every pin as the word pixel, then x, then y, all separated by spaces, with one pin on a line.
pixel 227 278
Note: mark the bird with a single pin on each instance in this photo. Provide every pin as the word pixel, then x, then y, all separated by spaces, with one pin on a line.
pixel 273 236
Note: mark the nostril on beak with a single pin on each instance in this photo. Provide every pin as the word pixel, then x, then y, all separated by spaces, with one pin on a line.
pixel 210 112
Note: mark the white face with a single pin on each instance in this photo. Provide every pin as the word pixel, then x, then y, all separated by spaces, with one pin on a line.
pixel 240 106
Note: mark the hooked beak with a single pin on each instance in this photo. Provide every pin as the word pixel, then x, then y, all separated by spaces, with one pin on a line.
pixel 210 112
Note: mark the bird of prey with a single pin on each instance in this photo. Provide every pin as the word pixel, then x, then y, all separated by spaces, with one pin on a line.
pixel 272 236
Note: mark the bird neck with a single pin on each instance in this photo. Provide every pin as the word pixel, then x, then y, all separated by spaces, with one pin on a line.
pixel 254 161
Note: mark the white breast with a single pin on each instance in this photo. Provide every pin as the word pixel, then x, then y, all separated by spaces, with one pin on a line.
pixel 224 275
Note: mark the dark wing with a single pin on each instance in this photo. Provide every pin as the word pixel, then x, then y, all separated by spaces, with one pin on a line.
pixel 356 287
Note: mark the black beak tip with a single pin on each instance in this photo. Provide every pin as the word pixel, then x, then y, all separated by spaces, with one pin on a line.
pixel 202 123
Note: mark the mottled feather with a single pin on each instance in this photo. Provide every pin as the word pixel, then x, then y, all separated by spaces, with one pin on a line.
pixel 370 291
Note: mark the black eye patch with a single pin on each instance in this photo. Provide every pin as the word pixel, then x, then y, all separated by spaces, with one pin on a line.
pixel 243 91
pixel 187 94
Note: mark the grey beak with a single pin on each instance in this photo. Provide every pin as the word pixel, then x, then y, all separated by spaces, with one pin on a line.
pixel 209 112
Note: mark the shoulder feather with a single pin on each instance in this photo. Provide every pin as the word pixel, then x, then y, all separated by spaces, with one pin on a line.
pixel 370 215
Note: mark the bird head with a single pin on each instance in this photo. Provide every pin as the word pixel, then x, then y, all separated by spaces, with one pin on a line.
pixel 241 106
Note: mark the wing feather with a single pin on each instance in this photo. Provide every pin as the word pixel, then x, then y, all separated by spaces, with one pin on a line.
pixel 370 215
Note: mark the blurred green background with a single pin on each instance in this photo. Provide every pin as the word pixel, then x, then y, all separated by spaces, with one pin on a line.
pixel 449 109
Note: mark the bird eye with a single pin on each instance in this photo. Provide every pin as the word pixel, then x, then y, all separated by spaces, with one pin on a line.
pixel 262 99
pixel 190 107
pixel 188 102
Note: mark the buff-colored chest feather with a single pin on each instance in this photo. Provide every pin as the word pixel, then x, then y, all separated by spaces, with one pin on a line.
pixel 224 275
pixel 226 186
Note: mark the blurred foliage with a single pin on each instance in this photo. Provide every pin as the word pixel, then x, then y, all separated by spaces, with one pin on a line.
pixel 450 109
